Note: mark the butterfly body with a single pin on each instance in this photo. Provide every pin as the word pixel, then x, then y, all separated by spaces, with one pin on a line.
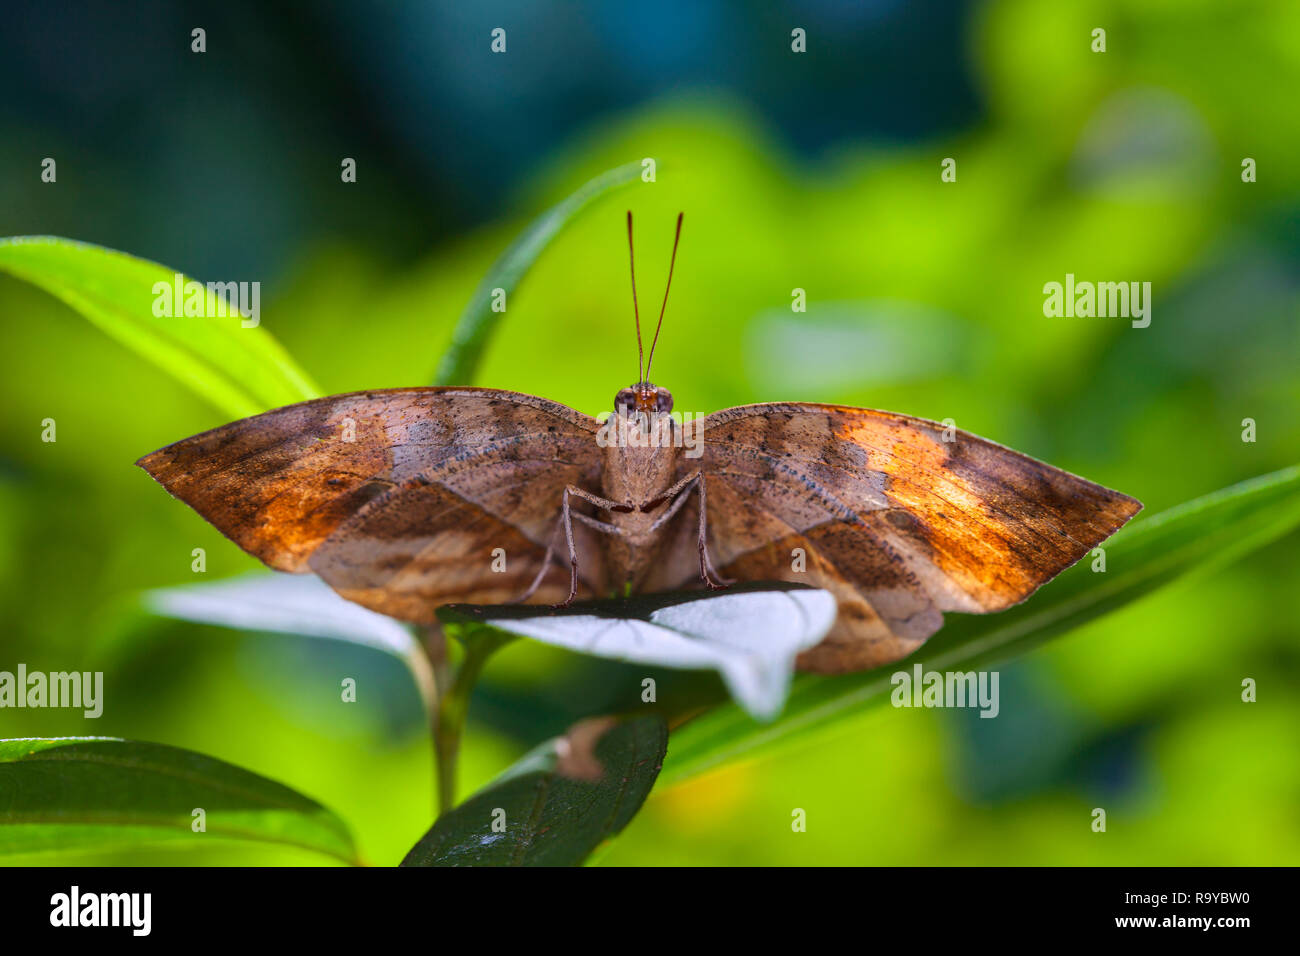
pixel 637 479
pixel 646 483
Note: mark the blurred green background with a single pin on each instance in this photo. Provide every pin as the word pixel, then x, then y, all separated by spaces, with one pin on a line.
pixel 817 171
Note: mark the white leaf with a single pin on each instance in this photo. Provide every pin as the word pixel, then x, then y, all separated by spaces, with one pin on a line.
pixel 751 638
pixel 293 604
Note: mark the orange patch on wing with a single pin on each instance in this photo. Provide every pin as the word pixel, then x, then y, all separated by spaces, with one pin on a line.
pixel 970 544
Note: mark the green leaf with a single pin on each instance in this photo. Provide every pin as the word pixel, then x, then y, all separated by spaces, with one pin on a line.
pixel 550 819
pixel 80 793
pixel 470 337
pixel 1194 537
pixel 242 371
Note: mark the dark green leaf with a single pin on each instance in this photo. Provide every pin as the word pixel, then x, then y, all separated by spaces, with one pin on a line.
pixel 79 793
pixel 550 819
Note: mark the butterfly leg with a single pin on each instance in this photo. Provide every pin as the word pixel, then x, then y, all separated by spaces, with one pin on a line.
pixel 566 522
pixel 546 563
pixel 711 577
pixel 682 490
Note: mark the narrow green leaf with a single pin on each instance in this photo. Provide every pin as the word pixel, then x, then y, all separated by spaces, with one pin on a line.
pixel 80 793
pixel 1194 537
pixel 550 819
pixel 460 362
pixel 242 371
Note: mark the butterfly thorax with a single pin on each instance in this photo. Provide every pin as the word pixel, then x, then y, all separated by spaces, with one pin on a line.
pixel 641 463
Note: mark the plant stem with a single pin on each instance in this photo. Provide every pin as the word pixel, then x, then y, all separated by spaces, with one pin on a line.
pixel 454 690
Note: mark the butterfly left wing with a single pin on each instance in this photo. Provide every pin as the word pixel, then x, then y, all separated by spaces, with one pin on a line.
pixel 398 498
pixel 899 523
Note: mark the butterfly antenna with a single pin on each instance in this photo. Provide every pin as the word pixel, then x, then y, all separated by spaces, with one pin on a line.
pixel 631 260
pixel 672 262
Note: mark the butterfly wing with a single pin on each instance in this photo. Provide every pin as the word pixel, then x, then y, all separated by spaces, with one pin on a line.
pixel 398 498
pixel 899 517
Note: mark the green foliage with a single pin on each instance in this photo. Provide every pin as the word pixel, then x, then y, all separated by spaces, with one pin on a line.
pixel 77 793
pixel 1059 178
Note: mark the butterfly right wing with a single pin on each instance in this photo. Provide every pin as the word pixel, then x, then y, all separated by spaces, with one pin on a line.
pixel 398 498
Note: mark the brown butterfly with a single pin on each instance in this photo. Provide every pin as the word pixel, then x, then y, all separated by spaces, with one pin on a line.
pixel 409 498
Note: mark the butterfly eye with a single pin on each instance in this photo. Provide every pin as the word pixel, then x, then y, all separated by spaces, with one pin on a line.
pixel 625 400
pixel 663 400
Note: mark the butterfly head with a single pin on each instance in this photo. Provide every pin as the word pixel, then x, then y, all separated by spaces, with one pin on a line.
pixel 643 397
